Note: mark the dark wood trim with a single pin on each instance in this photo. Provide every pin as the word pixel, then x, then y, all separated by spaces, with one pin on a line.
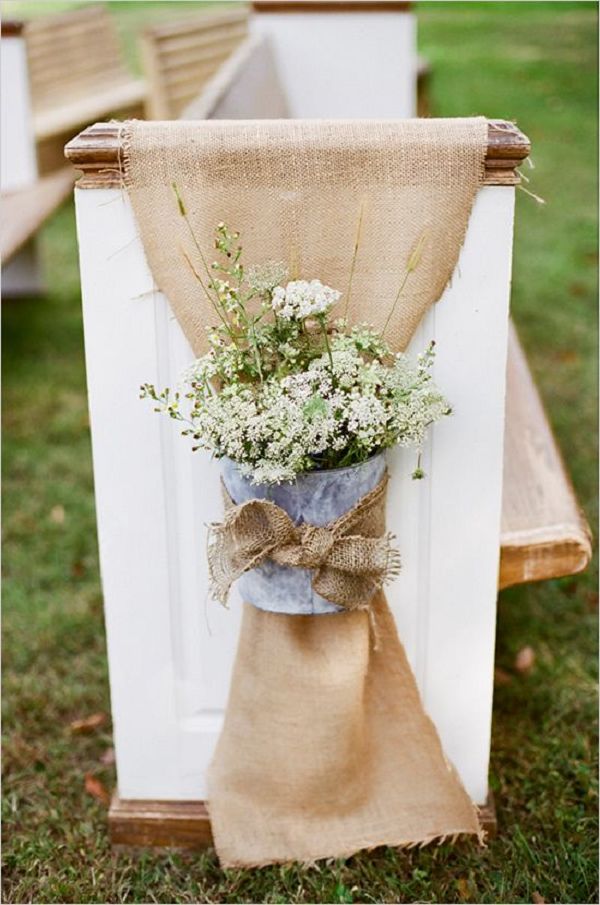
pixel 186 824
pixel 163 824
pixel 343 6
pixel 98 152
pixel 487 816
pixel 11 28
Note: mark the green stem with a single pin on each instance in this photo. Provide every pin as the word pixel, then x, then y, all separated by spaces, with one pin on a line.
pixel 256 353
pixel 354 256
pixel 321 320
pixel 396 300
pixel 209 297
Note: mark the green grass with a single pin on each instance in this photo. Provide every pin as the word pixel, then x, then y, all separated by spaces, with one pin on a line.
pixel 536 63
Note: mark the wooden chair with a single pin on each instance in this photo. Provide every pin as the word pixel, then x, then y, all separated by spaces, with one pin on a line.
pixel 77 76
pixel 27 199
pixel 181 57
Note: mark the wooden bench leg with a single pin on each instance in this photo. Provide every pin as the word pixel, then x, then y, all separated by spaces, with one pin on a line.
pixel 22 275
pixel 159 824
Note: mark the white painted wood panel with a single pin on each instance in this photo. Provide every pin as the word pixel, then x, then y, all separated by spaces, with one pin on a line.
pixel 17 146
pixel 18 163
pixel 344 65
pixel 170 648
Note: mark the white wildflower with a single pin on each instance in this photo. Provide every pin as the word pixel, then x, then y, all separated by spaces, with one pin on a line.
pixel 304 298
pixel 280 396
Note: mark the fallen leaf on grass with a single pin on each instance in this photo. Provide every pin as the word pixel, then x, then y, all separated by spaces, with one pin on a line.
pixel 567 356
pixel 57 515
pixel 462 885
pixel 537 899
pixel 96 788
pixel 525 659
pixel 501 677
pixel 108 757
pixel 77 569
pixel 591 599
pixel 88 724
pixel 578 289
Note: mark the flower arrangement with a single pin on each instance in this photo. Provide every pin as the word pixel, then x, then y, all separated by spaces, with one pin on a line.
pixel 285 387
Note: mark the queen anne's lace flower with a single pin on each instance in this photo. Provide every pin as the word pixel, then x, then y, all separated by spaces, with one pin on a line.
pixel 304 298
pixel 282 390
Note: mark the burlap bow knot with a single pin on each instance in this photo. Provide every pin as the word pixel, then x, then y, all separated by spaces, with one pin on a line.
pixel 350 558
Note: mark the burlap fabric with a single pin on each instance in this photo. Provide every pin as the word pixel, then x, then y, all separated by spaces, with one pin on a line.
pixel 350 558
pixel 301 191
pixel 325 748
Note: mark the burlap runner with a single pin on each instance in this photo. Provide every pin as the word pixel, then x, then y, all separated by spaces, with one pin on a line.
pixel 325 749
pixel 298 190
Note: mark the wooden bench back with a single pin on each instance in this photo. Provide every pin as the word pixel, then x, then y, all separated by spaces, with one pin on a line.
pixel 346 60
pixel 180 58
pixel 246 86
pixel 72 55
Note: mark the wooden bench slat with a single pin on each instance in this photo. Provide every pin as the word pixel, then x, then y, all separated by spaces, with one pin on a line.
pixel 24 211
pixel 88 82
pixel 184 83
pixel 544 534
pixel 187 58
pixel 189 23
pixel 181 50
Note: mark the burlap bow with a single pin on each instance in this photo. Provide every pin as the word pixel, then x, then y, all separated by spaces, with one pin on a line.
pixel 350 558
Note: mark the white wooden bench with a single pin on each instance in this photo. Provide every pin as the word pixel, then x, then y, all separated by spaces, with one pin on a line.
pixel 27 199
pixel 169 662
pixel 181 57
pixel 77 75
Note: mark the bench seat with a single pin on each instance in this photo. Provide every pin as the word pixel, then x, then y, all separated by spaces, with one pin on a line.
pixel 25 210
pixel 544 533
pixel 74 112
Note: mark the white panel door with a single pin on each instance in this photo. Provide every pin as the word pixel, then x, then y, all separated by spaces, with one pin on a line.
pixel 171 648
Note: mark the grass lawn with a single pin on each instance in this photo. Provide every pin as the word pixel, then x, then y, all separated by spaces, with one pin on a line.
pixel 536 63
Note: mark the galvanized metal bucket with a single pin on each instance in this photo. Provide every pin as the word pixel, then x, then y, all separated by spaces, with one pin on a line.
pixel 317 498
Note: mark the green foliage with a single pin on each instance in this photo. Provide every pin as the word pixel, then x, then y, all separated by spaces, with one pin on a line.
pixel 533 61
